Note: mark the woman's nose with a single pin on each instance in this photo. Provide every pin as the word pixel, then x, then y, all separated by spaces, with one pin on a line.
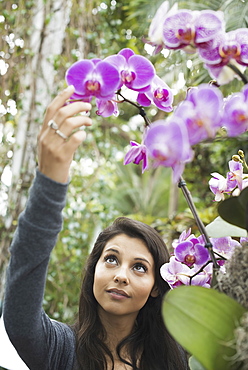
pixel 121 277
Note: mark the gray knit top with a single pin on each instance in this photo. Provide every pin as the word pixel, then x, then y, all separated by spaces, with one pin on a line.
pixel 43 344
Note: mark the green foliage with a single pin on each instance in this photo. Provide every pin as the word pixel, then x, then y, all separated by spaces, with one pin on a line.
pixel 203 320
pixel 235 210
pixel 220 228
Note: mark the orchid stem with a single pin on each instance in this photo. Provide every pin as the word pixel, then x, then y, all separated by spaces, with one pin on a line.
pixel 239 73
pixel 139 107
pixel 182 184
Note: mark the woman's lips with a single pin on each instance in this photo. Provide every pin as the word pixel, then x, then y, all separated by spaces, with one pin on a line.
pixel 118 293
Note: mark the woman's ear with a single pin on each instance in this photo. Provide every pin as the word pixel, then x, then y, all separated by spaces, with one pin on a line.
pixel 154 292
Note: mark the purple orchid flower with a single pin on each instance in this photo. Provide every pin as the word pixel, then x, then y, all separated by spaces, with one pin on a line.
pixel 218 186
pixel 136 154
pixel 191 28
pixel 168 145
pixel 235 116
pixel 176 273
pixel 201 112
pixel 107 108
pixel 202 278
pixel 191 253
pixel 136 72
pixel 225 247
pixel 225 47
pixel 186 234
pixel 221 185
pixel 160 94
pixel 235 175
pixel 155 32
pixel 93 78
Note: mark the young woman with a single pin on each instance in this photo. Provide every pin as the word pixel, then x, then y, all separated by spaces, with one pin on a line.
pixel 119 322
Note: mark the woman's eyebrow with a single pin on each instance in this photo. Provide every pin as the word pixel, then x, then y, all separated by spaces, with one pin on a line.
pixel 113 250
pixel 136 258
pixel 142 259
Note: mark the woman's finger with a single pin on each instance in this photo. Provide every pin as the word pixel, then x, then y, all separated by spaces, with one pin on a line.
pixel 67 128
pixel 58 102
pixel 71 110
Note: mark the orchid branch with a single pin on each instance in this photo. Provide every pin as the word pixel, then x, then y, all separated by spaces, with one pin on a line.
pixel 238 72
pixel 182 184
pixel 139 107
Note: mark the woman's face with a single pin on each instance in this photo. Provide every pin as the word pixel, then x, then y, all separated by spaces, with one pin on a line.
pixel 124 276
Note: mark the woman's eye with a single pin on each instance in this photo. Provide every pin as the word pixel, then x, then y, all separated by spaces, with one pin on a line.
pixel 140 268
pixel 111 260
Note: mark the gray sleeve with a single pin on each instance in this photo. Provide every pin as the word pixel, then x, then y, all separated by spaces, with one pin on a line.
pixel 32 333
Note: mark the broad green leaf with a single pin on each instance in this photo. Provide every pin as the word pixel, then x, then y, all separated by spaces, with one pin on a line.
pixel 219 228
pixel 234 209
pixel 203 320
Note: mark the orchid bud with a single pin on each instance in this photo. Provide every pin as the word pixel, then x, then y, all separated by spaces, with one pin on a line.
pixel 236 158
pixel 241 153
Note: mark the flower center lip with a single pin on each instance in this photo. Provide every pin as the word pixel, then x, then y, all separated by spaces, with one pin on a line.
pixel 118 292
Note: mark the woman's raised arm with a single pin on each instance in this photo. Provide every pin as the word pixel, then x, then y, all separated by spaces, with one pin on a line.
pixel 60 135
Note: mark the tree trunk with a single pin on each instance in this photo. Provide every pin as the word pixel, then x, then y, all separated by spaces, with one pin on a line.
pixel 49 21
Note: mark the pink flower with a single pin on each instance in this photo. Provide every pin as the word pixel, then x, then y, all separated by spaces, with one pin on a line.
pixel 218 185
pixel 201 112
pixel 235 175
pixel 176 273
pixel 93 78
pixel 194 28
pixel 160 94
pixel 155 32
pixel 191 253
pixel 135 71
pixel 225 247
pixel 236 113
pixel 168 145
pixel 106 107
pixel 136 154
pixel 226 47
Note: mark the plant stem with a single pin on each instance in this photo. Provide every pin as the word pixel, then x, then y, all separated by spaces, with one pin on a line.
pixel 182 184
pixel 139 107
pixel 239 73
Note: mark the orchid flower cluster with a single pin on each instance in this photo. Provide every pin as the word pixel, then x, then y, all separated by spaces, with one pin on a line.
pixel 204 111
pixel 104 79
pixel 202 31
pixel 191 264
pixel 200 116
pixel 235 180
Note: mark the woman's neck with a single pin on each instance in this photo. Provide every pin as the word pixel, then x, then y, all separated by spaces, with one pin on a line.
pixel 117 328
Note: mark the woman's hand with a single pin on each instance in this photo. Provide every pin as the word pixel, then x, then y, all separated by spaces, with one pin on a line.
pixel 57 145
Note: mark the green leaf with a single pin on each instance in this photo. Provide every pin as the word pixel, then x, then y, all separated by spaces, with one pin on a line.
pixel 203 320
pixel 219 228
pixel 234 210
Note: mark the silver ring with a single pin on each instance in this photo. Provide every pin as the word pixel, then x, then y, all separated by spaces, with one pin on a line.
pixel 61 134
pixel 53 124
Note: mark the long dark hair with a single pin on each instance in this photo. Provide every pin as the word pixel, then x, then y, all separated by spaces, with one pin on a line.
pixel 150 347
